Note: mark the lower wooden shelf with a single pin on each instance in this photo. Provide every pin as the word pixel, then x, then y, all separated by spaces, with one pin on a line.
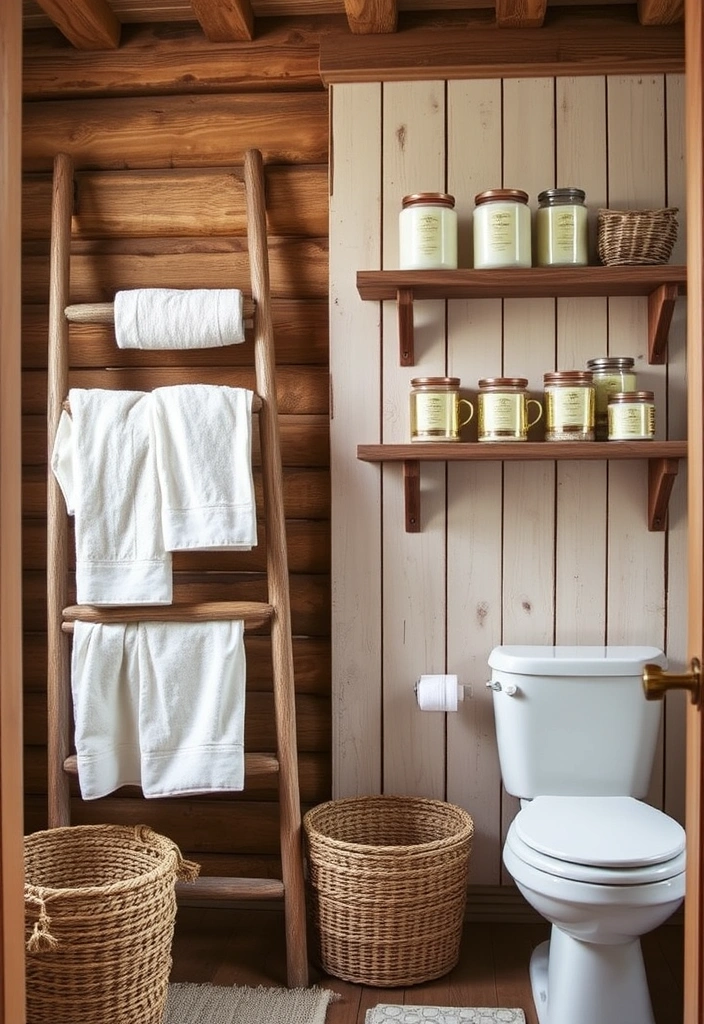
pixel 662 458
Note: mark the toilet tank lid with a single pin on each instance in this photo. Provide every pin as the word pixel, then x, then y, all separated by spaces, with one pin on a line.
pixel 528 659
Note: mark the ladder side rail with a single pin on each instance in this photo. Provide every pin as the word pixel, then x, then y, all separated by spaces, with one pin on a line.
pixel 277 574
pixel 58 666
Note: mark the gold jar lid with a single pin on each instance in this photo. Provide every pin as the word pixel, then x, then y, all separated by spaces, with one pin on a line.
pixel 622 397
pixel 428 199
pixel 493 195
pixel 569 377
pixel 435 382
pixel 503 383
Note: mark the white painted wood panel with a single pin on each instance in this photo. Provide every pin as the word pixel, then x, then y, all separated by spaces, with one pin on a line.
pixel 514 553
pixel 475 493
pixel 355 373
pixel 414 613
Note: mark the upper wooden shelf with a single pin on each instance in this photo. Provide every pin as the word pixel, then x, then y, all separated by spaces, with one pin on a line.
pixel 662 285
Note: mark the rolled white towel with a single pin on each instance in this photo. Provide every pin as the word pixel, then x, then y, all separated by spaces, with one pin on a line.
pixel 168 318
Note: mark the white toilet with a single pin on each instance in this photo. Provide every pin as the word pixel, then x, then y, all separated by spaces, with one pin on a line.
pixel 576 741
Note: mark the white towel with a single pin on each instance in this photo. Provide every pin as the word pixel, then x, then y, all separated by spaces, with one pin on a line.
pixel 164 318
pixel 159 704
pixel 203 441
pixel 105 463
pixel 191 707
pixel 105 686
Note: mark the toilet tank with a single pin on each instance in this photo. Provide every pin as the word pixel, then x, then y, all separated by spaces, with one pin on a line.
pixel 574 721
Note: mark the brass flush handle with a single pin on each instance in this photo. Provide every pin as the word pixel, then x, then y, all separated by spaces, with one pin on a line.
pixel 656 682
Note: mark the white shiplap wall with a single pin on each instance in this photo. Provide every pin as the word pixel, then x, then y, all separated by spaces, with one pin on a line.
pixel 516 553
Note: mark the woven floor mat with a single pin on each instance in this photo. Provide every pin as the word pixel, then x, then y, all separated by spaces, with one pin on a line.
pixel 221 1004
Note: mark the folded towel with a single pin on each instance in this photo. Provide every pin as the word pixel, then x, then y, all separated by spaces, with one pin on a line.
pixel 161 318
pixel 203 442
pixel 191 707
pixel 159 704
pixel 105 687
pixel 104 460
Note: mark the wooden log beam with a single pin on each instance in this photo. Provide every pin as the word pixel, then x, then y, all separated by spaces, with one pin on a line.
pixel 520 13
pixel 660 12
pixel 225 21
pixel 371 16
pixel 567 44
pixel 88 24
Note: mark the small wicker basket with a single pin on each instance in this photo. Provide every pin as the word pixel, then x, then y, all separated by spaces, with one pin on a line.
pixel 387 881
pixel 634 237
pixel 100 907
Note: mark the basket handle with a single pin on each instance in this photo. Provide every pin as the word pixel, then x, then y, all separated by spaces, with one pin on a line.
pixel 186 870
pixel 41 940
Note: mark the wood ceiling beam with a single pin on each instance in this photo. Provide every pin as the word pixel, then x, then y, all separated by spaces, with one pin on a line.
pixel 87 24
pixel 366 17
pixel 660 12
pixel 225 21
pixel 520 13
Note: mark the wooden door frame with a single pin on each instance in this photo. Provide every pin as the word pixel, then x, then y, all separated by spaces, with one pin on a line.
pixel 12 988
pixel 694 125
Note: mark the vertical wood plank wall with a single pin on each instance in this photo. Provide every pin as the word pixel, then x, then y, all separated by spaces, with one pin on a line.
pixel 160 203
pixel 518 553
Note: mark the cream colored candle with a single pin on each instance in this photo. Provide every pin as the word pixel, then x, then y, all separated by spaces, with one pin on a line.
pixel 427 232
pixel 502 231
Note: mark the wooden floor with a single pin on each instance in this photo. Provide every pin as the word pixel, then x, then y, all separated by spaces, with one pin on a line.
pixel 245 947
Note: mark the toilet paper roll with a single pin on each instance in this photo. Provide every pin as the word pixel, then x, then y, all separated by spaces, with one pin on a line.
pixel 438 693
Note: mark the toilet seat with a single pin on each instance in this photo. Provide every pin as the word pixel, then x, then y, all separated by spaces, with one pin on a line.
pixel 602 840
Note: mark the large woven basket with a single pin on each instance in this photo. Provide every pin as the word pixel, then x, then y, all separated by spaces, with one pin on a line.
pixel 387 879
pixel 100 907
pixel 633 237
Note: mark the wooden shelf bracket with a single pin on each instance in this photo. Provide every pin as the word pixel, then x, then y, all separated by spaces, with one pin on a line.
pixel 661 305
pixel 404 302
pixel 661 477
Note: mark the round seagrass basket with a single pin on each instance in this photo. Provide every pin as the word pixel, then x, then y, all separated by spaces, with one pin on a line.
pixel 633 237
pixel 387 880
pixel 100 907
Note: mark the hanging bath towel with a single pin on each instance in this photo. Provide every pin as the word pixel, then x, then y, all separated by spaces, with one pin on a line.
pixel 203 443
pixel 159 704
pixel 105 463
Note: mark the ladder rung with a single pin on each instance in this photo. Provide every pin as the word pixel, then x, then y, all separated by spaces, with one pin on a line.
pixel 212 888
pixel 254 613
pixel 254 764
pixel 104 312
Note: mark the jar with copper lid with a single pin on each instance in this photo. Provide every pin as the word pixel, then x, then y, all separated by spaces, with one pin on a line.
pixel 502 232
pixel 631 416
pixel 569 405
pixel 503 409
pixel 436 407
pixel 611 374
pixel 427 232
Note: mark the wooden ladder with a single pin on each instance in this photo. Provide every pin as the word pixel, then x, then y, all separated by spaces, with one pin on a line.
pixel 276 611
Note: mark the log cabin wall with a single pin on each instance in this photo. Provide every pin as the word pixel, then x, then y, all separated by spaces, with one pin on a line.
pixel 157 131
pixel 538 552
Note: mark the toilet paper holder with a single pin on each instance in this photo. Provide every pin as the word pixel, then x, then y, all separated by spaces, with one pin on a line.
pixel 439 692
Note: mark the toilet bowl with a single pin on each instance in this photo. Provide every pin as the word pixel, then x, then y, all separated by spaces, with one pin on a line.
pixel 576 740
pixel 603 871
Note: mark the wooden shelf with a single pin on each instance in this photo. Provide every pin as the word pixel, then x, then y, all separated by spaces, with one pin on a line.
pixel 662 458
pixel 661 284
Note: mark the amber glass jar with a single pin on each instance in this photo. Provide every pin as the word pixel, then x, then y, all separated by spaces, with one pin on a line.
pixel 435 409
pixel 503 409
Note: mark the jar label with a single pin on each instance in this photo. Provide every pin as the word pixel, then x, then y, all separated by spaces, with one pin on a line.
pixel 502 415
pixel 436 415
pixel 502 231
pixel 570 408
pixel 631 420
pixel 429 234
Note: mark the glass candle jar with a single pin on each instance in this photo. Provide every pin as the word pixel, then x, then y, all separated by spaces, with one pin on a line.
pixel 631 416
pixel 561 228
pixel 611 374
pixel 503 409
pixel 435 409
pixel 427 232
pixel 502 232
pixel 569 405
